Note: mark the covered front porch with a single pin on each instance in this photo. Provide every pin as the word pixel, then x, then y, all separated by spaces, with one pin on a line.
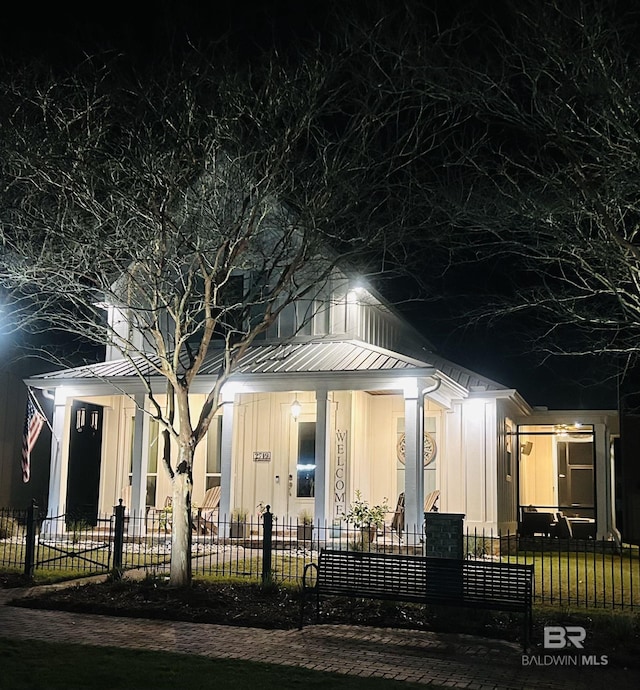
pixel 301 436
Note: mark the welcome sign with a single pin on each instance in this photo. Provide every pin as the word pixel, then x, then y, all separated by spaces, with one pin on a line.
pixel 339 475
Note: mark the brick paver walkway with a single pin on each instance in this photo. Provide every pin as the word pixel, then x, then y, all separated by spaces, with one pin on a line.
pixel 458 661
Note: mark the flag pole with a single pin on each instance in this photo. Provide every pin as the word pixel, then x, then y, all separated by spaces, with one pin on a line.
pixel 36 402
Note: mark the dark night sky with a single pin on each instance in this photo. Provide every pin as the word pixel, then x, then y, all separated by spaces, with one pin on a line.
pixel 60 34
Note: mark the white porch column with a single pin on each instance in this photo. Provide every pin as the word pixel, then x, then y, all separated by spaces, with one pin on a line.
pixel 226 448
pixel 413 471
pixel 323 457
pixel 605 510
pixel 59 466
pixel 140 461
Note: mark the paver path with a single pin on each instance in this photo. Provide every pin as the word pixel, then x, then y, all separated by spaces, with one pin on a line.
pixel 456 660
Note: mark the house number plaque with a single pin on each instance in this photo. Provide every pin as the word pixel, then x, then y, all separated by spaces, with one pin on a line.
pixel 261 456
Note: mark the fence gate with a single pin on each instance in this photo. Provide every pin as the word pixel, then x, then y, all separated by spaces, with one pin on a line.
pixel 62 542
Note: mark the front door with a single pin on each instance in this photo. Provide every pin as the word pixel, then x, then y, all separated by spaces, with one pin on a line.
pixel 302 470
pixel 85 450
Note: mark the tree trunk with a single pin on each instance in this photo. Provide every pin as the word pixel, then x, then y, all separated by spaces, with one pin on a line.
pixel 180 573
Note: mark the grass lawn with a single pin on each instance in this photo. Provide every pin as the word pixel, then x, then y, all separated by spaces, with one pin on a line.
pixel 585 579
pixel 44 666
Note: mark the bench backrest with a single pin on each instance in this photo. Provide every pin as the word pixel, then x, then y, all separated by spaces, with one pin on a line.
pixel 370 574
pixel 430 580
pixel 508 585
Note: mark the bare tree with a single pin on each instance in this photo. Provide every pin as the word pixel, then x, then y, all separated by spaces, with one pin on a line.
pixel 151 194
pixel 539 175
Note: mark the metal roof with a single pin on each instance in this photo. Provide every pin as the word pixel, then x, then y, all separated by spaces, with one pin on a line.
pixel 327 356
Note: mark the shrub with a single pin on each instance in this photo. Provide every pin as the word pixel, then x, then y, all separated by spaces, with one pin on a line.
pixel 361 514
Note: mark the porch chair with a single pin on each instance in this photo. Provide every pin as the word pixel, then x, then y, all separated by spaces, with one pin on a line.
pixel 532 522
pixel 397 522
pixel 563 528
pixel 207 520
pixel 430 501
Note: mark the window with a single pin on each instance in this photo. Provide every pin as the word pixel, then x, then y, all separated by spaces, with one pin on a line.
pixel 152 466
pixel 322 317
pixel 508 455
pixel 304 317
pixel 214 441
pixel 306 466
pixel 575 474
pixel 152 462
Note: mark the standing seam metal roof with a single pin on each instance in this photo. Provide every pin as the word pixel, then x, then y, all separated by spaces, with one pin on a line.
pixel 291 358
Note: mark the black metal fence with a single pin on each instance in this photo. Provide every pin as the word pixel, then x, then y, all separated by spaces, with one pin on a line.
pixel 30 540
pixel 575 572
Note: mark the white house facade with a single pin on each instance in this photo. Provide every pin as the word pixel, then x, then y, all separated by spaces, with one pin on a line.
pixel 342 395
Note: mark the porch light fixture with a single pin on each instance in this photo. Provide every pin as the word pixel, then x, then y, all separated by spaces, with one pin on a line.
pixel 296 408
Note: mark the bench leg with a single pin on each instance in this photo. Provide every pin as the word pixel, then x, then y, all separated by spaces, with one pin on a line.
pixel 528 629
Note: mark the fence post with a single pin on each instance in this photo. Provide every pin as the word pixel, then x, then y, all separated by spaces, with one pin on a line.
pixel 266 545
pixel 30 549
pixel 118 539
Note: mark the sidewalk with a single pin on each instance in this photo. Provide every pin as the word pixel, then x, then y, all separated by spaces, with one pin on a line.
pixel 459 661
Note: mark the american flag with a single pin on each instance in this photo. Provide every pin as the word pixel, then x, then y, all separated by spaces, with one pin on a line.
pixel 32 427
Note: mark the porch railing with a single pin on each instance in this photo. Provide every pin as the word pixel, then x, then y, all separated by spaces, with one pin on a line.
pixel 575 572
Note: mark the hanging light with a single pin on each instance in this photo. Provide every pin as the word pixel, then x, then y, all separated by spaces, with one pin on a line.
pixel 296 408
pixel 81 419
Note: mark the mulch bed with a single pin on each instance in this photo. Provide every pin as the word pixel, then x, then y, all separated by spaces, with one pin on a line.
pixel 249 604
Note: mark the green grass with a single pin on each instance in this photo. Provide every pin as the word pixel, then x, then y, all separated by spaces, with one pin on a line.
pixel 14 577
pixel 35 665
pixel 284 566
pixel 585 579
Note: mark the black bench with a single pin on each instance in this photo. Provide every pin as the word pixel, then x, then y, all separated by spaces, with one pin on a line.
pixel 438 581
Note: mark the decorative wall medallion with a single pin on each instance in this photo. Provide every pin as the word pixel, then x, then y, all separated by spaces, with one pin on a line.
pixel 429 448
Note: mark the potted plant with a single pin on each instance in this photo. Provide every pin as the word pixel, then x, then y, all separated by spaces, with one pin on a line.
pixel 305 526
pixel 238 525
pixel 367 518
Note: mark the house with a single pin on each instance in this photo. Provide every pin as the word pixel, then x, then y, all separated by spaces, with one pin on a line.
pixel 349 398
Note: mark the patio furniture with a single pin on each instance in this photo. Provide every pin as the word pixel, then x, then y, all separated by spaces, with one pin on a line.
pixel 582 528
pixel 563 528
pixel 397 522
pixel 533 523
pixel 420 579
pixel 207 519
pixel 430 501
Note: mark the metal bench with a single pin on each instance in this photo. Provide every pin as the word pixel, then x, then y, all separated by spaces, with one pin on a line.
pixel 438 581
